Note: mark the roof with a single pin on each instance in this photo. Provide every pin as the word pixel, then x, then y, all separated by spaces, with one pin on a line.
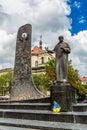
pixel 52 57
pixel 36 50
pixel 83 79
pixel 5 70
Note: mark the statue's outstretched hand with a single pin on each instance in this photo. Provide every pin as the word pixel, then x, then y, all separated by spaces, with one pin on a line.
pixel 49 51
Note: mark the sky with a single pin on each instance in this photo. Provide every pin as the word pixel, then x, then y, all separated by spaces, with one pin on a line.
pixel 49 18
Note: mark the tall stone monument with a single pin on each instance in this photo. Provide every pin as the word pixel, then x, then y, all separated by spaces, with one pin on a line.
pixel 23 87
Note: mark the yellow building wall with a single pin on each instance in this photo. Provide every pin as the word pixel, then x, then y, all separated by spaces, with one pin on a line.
pixel 38 58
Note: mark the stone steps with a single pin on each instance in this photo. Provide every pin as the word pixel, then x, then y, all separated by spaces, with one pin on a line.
pixel 3 127
pixel 29 106
pixel 18 124
pixel 37 115
pixel 80 107
pixel 39 100
pixel 46 115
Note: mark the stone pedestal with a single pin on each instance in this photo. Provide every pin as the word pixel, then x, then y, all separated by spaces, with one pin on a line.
pixel 64 94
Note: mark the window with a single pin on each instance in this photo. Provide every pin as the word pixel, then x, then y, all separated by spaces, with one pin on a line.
pixel 42 60
pixel 48 58
pixel 36 63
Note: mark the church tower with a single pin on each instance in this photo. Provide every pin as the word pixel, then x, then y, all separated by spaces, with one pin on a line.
pixel 40 43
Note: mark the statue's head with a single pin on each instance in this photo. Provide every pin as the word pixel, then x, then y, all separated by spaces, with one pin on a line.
pixel 60 38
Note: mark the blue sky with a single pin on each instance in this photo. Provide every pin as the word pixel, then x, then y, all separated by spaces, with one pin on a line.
pixel 49 18
pixel 78 15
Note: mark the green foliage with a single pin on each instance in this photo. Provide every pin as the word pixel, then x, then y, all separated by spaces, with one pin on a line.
pixel 73 76
pixel 85 86
pixel 5 83
pixel 44 81
pixel 74 80
pixel 41 82
pixel 50 71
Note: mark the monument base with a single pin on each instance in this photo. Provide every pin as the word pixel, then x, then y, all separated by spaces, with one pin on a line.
pixel 64 94
pixel 25 90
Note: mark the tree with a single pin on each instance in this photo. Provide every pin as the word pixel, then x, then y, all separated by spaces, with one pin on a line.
pixel 41 82
pixel 73 76
pixel 44 81
pixel 74 79
pixel 50 71
pixel 5 83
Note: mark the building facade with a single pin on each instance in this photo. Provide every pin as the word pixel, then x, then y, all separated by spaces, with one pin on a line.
pixel 38 59
pixel 84 80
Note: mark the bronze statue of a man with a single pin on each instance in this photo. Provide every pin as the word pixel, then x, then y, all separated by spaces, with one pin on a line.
pixel 61 50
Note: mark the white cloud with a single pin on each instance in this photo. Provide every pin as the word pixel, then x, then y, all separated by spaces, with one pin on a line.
pixel 7 49
pixel 43 15
pixel 77 4
pixel 82 19
pixel 14 7
pixel 79 51
pixel 49 18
